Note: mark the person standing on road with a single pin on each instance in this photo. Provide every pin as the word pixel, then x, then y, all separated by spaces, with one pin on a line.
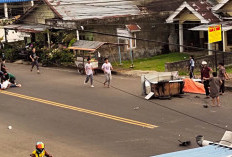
pixel 34 59
pixel 89 72
pixel 205 75
pixel 40 151
pixel 191 67
pixel 214 83
pixel 3 66
pixel 107 67
pixel 223 76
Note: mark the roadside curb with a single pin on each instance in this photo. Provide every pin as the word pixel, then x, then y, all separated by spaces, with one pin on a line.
pixel 123 74
pixel 228 88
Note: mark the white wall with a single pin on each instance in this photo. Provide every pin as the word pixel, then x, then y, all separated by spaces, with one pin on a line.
pixel 13 36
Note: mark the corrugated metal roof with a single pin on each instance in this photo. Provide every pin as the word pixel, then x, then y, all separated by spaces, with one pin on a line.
pixel 90 9
pixel 133 28
pixel 226 26
pixel 201 9
pixel 86 45
pixel 207 151
pixel 28 28
pixel 204 9
pixel 12 1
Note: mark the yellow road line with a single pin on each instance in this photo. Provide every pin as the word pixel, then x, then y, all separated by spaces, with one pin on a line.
pixel 99 114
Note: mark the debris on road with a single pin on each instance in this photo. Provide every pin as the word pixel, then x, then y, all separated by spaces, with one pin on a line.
pixel 136 108
pixel 185 143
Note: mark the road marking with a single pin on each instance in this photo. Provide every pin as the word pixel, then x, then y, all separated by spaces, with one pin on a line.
pixel 99 114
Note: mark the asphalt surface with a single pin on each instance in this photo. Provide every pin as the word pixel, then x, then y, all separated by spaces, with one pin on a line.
pixel 72 133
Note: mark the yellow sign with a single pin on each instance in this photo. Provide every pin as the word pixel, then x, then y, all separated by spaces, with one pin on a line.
pixel 215 33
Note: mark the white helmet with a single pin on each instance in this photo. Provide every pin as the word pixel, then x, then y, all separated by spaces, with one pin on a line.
pixel 204 63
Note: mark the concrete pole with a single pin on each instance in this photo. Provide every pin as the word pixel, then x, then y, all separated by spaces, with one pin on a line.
pixel 49 40
pixel 131 53
pixel 6 10
pixel 32 3
pixel 78 35
pixel 210 48
pixel 119 53
pixel 181 37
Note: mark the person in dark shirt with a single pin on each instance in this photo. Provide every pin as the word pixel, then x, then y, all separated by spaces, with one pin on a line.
pixel 34 59
pixel 205 75
pixel 223 76
pixel 215 83
pixel 3 66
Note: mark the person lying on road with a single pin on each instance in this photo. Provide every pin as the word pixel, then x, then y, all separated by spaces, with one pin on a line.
pixel 6 84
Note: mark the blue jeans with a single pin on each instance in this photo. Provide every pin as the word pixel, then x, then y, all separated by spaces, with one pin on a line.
pixel 89 77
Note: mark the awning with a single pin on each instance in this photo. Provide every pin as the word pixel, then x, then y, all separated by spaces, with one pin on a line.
pixel 225 26
pixel 86 45
pixel 12 1
pixel 28 28
pixel 133 28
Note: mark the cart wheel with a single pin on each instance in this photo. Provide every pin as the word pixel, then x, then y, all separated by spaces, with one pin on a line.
pixel 81 71
pixel 95 72
pixel 80 68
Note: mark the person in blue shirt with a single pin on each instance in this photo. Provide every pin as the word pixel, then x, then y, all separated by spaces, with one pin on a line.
pixel 191 67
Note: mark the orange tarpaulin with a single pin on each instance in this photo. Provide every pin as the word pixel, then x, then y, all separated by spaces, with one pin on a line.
pixel 193 87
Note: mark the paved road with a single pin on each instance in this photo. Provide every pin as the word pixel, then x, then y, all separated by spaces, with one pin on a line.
pixel 78 121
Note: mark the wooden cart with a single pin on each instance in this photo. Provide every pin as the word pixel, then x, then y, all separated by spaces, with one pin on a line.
pixel 167 89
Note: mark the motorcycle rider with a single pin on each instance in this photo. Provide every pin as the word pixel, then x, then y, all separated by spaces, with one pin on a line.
pixel 40 151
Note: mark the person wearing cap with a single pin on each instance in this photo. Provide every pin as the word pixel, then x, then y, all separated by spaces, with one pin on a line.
pixel 205 75
pixel 40 151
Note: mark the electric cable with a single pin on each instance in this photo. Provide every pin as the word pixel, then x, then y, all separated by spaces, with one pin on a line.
pixel 168 108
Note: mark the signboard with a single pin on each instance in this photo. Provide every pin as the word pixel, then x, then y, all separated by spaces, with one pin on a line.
pixel 123 32
pixel 215 33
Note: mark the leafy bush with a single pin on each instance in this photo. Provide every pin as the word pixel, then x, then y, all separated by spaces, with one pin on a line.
pixel 56 57
pixel 72 42
pixel 11 54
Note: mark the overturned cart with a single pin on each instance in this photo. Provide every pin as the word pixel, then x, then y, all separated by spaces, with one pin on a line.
pixel 161 85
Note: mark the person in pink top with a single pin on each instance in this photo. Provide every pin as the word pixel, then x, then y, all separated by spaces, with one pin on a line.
pixel 107 67
pixel 89 72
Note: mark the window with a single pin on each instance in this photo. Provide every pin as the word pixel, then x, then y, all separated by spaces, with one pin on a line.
pixel 132 42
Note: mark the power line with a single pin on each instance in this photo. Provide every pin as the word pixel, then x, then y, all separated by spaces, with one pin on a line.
pixel 148 40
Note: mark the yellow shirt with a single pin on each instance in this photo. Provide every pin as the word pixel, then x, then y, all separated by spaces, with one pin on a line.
pixel 40 155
